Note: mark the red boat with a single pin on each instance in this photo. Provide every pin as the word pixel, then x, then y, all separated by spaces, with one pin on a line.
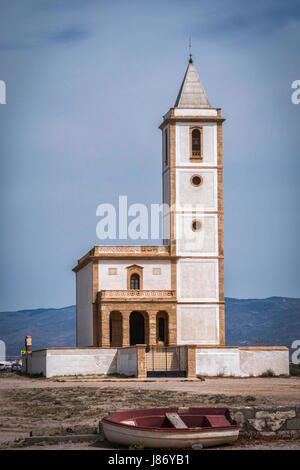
pixel 171 427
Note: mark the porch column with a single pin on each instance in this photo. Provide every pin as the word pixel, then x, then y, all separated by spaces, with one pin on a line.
pixel 125 328
pixel 172 325
pixel 191 360
pixel 104 327
pixel 152 327
pixel 141 361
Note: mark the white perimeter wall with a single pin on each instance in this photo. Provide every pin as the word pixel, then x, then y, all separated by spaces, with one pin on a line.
pixel 127 361
pixel 81 361
pixel 119 280
pixel 209 361
pixel 256 362
pixel 84 307
pixel 35 363
pixel 241 362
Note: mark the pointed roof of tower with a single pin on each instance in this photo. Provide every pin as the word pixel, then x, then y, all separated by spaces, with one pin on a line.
pixel 192 93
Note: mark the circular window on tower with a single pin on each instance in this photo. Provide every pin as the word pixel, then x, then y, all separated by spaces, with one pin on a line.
pixel 196 225
pixel 196 180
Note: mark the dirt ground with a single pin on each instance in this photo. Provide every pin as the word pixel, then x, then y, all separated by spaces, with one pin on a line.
pixel 64 405
pixel 242 444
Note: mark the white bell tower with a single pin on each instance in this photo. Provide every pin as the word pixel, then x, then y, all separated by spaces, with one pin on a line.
pixel 192 172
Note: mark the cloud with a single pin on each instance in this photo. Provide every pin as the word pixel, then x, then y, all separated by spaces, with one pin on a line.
pixel 263 19
pixel 61 4
pixel 15 45
pixel 70 34
pixel 66 35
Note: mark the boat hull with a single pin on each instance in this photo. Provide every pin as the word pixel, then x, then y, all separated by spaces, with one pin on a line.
pixel 167 439
pixel 176 428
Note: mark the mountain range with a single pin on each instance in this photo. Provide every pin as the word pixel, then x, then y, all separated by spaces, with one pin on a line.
pixel 249 322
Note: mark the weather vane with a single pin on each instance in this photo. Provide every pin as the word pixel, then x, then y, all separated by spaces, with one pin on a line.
pixel 190 49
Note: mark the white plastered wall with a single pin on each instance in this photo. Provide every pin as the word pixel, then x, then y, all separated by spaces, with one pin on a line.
pixel 119 281
pixel 127 361
pixel 183 144
pixel 197 324
pixel 84 307
pixel 217 361
pixel 195 112
pixel 256 362
pixel 200 243
pixel 241 362
pixel 81 361
pixel 197 280
pixel 197 198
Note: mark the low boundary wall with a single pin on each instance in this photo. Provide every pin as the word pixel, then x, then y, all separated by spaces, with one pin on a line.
pixel 241 361
pixel 131 361
pixel 79 361
pixel 281 421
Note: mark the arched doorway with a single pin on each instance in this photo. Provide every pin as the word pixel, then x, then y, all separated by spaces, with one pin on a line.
pixel 115 329
pixel 137 328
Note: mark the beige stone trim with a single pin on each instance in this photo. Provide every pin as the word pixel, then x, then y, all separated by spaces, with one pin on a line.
pixel 190 361
pixel 192 182
pixel 141 361
pixel 220 228
pixel 149 311
pixel 123 252
pixel 172 153
pixel 134 269
pixel 194 226
pixel 171 120
pixel 222 323
pixel 263 348
pixel 95 289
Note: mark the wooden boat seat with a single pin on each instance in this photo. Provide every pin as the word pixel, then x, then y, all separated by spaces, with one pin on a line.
pixel 176 421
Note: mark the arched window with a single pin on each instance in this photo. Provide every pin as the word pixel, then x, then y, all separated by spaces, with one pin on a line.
pixel 196 142
pixel 135 281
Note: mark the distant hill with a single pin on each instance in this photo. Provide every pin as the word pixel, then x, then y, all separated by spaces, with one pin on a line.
pixel 249 322
pixel 48 327
pixel 272 322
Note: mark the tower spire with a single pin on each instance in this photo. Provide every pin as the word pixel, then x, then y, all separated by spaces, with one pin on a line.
pixel 192 93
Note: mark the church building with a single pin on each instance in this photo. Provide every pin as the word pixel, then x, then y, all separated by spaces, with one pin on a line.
pixel 173 293
pixel 158 310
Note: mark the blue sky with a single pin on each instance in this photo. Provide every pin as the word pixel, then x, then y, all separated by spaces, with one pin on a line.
pixel 87 84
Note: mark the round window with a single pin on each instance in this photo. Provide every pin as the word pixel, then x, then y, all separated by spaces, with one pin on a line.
pixel 196 180
pixel 196 225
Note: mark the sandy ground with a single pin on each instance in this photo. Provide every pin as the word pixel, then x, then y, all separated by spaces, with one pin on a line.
pixel 279 390
pixel 60 406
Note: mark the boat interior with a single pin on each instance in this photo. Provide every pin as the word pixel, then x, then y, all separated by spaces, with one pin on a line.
pixel 175 418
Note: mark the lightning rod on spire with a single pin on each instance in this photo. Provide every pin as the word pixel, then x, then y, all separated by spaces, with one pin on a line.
pixel 190 49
